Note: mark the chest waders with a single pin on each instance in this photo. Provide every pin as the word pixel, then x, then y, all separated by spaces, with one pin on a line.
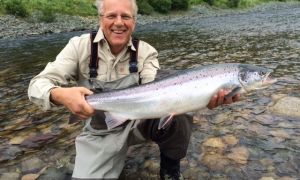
pixel 133 79
pixel 101 153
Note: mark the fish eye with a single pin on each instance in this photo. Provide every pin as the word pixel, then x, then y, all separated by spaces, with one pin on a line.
pixel 262 73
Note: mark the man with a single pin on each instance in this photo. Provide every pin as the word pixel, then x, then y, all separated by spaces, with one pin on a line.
pixel 100 153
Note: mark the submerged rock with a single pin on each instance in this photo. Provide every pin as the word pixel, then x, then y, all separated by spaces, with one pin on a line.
pixel 214 145
pixel 288 106
pixel 214 161
pixel 239 155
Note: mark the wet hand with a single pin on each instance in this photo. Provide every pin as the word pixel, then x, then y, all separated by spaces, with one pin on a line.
pixel 74 99
pixel 219 99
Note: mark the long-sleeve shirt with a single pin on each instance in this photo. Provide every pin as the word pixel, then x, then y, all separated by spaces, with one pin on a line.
pixel 72 66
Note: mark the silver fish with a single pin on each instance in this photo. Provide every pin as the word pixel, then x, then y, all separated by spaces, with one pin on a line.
pixel 183 92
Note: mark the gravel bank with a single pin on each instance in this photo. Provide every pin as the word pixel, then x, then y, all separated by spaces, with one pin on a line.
pixel 12 27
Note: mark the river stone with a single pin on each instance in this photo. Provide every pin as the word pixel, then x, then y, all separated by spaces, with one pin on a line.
pixel 280 133
pixel 286 178
pixel 30 177
pixel 10 176
pixel 190 173
pixel 266 178
pixel 230 140
pixel 214 145
pixel 152 166
pixel 33 164
pixel 239 155
pixel 214 161
pixel 289 106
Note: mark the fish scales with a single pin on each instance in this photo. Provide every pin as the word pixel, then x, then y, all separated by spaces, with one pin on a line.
pixel 179 93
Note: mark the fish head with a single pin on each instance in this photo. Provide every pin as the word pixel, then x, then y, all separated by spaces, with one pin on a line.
pixel 253 77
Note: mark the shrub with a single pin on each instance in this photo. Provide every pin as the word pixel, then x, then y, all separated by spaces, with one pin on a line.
pixel 180 4
pixel 47 15
pixel 17 8
pixel 144 7
pixel 210 2
pixel 233 3
pixel 162 6
pixel 195 2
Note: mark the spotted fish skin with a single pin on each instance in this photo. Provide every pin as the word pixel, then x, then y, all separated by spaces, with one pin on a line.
pixel 183 92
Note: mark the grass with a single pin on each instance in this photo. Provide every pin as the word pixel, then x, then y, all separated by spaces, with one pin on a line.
pixel 71 7
pixel 49 8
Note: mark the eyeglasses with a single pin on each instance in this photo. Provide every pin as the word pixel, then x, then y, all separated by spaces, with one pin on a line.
pixel 113 17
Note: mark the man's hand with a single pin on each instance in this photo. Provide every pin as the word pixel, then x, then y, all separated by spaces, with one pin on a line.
pixel 220 99
pixel 74 99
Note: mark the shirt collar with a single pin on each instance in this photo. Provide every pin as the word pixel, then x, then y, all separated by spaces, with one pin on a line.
pixel 100 37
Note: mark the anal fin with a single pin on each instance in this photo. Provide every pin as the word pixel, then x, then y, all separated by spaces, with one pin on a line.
pixel 113 120
pixel 165 121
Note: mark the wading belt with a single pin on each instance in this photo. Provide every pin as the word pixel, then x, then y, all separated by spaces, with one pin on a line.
pixel 94 59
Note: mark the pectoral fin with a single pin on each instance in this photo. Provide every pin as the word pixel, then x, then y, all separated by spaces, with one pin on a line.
pixel 234 92
pixel 165 121
pixel 113 120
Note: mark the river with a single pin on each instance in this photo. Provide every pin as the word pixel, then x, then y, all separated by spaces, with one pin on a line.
pixel 243 140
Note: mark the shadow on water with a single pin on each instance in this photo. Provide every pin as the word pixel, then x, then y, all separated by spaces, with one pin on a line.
pixel 250 142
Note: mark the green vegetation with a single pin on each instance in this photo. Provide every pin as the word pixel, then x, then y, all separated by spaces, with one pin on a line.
pixel 16 7
pixel 46 10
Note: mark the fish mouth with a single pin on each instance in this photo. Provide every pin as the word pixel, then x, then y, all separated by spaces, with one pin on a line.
pixel 268 79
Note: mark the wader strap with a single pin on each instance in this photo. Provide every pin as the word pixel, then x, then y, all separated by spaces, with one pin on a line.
pixel 94 59
pixel 133 56
pixel 94 56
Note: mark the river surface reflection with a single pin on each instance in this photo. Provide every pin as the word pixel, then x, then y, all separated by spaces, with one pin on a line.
pixel 265 144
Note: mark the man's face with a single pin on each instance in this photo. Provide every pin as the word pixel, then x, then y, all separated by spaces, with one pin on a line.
pixel 117 23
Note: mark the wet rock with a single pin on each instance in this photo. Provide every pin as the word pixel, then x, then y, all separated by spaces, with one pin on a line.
pixel 190 173
pixel 213 145
pixel 288 106
pixel 234 173
pixel 266 178
pixel 152 166
pixel 53 173
pixel 30 177
pixel 265 119
pixel 280 133
pixel 239 155
pixel 287 178
pixel 214 161
pixel 268 164
pixel 230 140
pixel 36 141
pixel 32 165
pixel 10 153
pixel 10 176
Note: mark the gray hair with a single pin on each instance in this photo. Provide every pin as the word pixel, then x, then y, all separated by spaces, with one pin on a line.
pixel 99 5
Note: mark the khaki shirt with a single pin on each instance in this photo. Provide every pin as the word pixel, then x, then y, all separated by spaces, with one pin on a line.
pixel 72 65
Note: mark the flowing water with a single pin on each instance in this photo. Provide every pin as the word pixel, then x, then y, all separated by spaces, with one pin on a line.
pixel 250 142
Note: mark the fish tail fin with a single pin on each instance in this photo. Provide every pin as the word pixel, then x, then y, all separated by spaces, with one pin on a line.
pixel 164 122
pixel 113 120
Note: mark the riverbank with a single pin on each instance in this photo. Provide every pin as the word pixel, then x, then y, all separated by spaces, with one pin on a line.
pixel 12 27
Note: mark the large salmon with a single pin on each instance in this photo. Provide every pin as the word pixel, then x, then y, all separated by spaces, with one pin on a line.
pixel 186 91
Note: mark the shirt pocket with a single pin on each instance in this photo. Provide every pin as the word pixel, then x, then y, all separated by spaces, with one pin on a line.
pixel 122 69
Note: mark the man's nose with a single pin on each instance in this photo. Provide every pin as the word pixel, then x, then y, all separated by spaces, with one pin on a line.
pixel 119 20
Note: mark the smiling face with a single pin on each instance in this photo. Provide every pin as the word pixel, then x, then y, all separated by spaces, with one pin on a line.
pixel 117 22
